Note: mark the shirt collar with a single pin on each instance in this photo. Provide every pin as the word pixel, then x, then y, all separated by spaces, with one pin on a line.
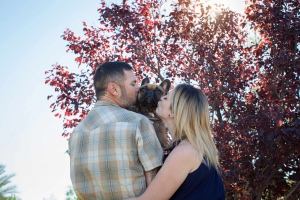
pixel 105 103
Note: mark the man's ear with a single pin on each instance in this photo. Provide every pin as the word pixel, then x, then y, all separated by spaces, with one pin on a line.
pixel 113 89
pixel 166 84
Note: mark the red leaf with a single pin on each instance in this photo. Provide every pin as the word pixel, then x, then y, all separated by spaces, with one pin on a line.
pixel 78 59
pixel 280 123
pixel 144 12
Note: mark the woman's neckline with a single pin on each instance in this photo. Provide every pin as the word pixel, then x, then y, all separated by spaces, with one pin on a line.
pixel 175 144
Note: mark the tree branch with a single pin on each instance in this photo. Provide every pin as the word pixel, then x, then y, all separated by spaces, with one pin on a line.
pixel 292 190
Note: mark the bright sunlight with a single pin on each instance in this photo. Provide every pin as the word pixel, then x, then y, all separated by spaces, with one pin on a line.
pixel 235 5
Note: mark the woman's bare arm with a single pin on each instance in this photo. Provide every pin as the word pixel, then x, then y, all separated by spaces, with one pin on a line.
pixel 178 165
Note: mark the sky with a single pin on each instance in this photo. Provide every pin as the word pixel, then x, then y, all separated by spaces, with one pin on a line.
pixel 31 145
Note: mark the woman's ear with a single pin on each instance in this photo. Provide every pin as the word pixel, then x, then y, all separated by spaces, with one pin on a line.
pixel 113 89
pixel 171 115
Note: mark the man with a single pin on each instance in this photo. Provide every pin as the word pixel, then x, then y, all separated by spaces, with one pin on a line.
pixel 114 153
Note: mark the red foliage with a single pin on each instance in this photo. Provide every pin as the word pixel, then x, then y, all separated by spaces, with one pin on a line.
pixel 253 89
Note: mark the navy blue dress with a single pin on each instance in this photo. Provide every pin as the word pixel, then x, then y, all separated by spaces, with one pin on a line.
pixel 201 184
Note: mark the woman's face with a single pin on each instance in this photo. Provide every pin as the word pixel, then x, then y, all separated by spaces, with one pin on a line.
pixel 163 109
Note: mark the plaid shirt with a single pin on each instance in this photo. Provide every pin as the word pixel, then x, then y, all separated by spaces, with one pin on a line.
pixel 109 152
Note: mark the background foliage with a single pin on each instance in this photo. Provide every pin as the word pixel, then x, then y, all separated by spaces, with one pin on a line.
pixel 252 86
pixel 5 187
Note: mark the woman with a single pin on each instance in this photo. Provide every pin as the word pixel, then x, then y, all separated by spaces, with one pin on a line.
pixel 191 171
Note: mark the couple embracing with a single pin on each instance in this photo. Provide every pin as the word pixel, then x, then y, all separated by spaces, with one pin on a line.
pixel 115 153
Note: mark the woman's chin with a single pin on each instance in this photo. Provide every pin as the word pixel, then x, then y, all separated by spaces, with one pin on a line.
pixel 157 113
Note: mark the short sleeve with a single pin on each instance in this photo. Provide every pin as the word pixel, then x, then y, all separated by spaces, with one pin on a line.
pixel 149 149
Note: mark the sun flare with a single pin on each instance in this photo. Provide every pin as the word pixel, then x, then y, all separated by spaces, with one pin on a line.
pixel 235 5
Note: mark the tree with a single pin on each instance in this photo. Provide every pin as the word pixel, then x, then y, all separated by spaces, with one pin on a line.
pixel 255 106
pixel 266 130
pixel 4 181
pixel 70 194
pixel 275 101
pixel 157 44
pixel 12 197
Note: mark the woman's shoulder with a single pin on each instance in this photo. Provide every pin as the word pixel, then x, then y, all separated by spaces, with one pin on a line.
pixel 184 148
pixel 185 153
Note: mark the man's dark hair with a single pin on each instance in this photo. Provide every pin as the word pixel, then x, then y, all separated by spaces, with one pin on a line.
pixel 109 72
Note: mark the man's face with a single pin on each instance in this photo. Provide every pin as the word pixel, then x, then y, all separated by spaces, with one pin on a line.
pixel 129 90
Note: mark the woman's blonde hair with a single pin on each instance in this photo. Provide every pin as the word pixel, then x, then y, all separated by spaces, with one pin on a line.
pixel 191 115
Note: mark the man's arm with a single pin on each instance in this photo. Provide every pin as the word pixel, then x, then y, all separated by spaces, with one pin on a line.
pixel 150 175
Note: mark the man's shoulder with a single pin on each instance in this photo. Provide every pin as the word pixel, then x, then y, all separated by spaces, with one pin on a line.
pixel 133 117
pixel 133 114
pixel 110 107
pixel 117 110
pixel 106 113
